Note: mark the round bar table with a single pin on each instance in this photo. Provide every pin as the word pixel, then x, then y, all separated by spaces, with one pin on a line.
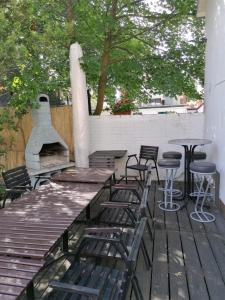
pixel 189 147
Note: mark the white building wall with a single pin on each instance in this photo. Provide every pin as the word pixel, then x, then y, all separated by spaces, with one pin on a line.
pixel 129 132
pixel 215 86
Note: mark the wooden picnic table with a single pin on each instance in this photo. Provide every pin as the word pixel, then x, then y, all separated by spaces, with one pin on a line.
pixel 33 224
pixel 85 175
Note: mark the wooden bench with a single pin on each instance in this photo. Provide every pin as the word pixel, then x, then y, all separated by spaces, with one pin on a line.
pixel 101 282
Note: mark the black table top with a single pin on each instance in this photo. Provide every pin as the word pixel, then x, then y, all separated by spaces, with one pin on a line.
pixel 190 142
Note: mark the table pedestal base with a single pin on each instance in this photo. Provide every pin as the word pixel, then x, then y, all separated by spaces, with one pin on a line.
pixel 203 217
pixel 169 207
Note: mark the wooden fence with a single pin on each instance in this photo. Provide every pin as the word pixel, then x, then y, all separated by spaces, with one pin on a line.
pixel 16 140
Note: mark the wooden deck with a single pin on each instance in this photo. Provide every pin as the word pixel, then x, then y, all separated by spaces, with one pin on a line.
pixel 188 257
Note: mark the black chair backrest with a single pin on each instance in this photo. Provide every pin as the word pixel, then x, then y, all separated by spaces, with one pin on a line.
pixel 102 162
pixel 16 177
pixel 149 152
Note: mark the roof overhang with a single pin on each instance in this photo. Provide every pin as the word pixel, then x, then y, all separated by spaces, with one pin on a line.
pixel 201 11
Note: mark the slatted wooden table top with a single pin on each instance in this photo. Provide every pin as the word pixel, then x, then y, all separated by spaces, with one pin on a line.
pixel 85 175
pixel 15 275
pixel 31 225
pixel 113 153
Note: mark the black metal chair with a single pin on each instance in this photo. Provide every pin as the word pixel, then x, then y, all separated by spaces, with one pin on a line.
pixel 85 280
pixel 123 212
pixel 17 181
pixel 147 153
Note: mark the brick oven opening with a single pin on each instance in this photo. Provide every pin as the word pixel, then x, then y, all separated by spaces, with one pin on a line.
pixel 52 154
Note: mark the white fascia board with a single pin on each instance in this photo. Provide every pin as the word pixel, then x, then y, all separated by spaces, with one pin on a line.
pixel 201 11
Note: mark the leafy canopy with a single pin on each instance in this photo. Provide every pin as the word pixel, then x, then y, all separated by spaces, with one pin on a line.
pixel 152 46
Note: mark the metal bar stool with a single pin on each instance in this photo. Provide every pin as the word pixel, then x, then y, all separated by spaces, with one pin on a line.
pixel 202 172
pixel 174 155
pixel 171 166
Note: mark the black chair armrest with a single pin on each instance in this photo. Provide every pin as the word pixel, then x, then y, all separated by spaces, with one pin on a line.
pixel 112 204
pixel 43 177
pixel 102 230
pixel 125 186
pixel 72 288
pixel 132 155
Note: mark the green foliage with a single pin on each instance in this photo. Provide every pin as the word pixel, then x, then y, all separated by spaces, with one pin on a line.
pixel 123 105
pixel 156 47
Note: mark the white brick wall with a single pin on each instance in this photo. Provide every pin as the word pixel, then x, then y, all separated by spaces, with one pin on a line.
pixel 129 132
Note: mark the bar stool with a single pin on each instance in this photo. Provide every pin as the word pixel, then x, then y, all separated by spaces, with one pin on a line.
pixel 202 172
pixel 198 155
pixel 171 166
pixel 172 154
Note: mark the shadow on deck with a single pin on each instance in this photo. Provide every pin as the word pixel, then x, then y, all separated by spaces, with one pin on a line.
pixel 188 257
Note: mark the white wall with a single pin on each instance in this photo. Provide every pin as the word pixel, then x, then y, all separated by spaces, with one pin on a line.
pixel 215 86
pixel 129 132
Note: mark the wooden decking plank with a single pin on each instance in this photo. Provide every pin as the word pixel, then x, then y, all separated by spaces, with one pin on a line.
pixel 177 275
pixel 211 271
pixel 171 220
pixel 183 219
pixel 175 253
pixel 217 244
pixel 195 279
pixel 159 217
pixel 219 222
pixel 159 284
pixel 196 226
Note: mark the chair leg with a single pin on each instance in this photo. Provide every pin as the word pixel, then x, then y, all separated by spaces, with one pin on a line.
pixel 149 230
pixel 145 254
pixel 157 171
pixel 137 289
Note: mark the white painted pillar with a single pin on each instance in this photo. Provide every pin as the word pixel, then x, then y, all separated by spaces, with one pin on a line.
pixel 81 130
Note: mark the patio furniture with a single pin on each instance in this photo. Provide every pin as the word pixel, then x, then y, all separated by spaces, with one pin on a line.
pixel 17 181
pixel 147 153
pixel 31 226
pixel 171 166
pixel 34 225
pixel 123 213
pixel 172 154
pixel 84 175
pixel 108 153
pixel 102 162
pixel 189 149
pixel 101 282
pixel 203 172
pixel 199 155
pixel 87 175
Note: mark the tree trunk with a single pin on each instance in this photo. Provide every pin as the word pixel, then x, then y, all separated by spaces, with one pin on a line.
pixel 105 60
pixel 71 20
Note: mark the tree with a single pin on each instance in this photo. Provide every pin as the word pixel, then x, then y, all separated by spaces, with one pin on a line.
pixel 143 47
pixel 138 46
